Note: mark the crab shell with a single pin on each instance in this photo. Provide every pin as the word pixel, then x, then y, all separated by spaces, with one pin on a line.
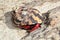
pixel 26 16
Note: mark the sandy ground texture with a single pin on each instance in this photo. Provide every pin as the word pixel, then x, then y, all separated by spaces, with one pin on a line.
pixel 9 32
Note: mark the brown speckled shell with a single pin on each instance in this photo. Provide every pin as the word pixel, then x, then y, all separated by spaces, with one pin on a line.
pixel 26 16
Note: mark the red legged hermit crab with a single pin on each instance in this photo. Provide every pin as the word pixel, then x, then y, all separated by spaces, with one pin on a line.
pixel 27 18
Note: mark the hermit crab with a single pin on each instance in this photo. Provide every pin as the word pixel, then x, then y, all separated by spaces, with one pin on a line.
pixel 27 18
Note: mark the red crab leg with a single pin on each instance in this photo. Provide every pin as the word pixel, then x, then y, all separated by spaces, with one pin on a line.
pixel 36 27
pixel 25 27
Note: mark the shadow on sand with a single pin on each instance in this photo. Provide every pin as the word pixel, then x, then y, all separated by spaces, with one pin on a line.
pixel 8 20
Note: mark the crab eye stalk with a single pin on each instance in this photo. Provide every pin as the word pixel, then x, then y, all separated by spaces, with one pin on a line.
pixel 13 13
